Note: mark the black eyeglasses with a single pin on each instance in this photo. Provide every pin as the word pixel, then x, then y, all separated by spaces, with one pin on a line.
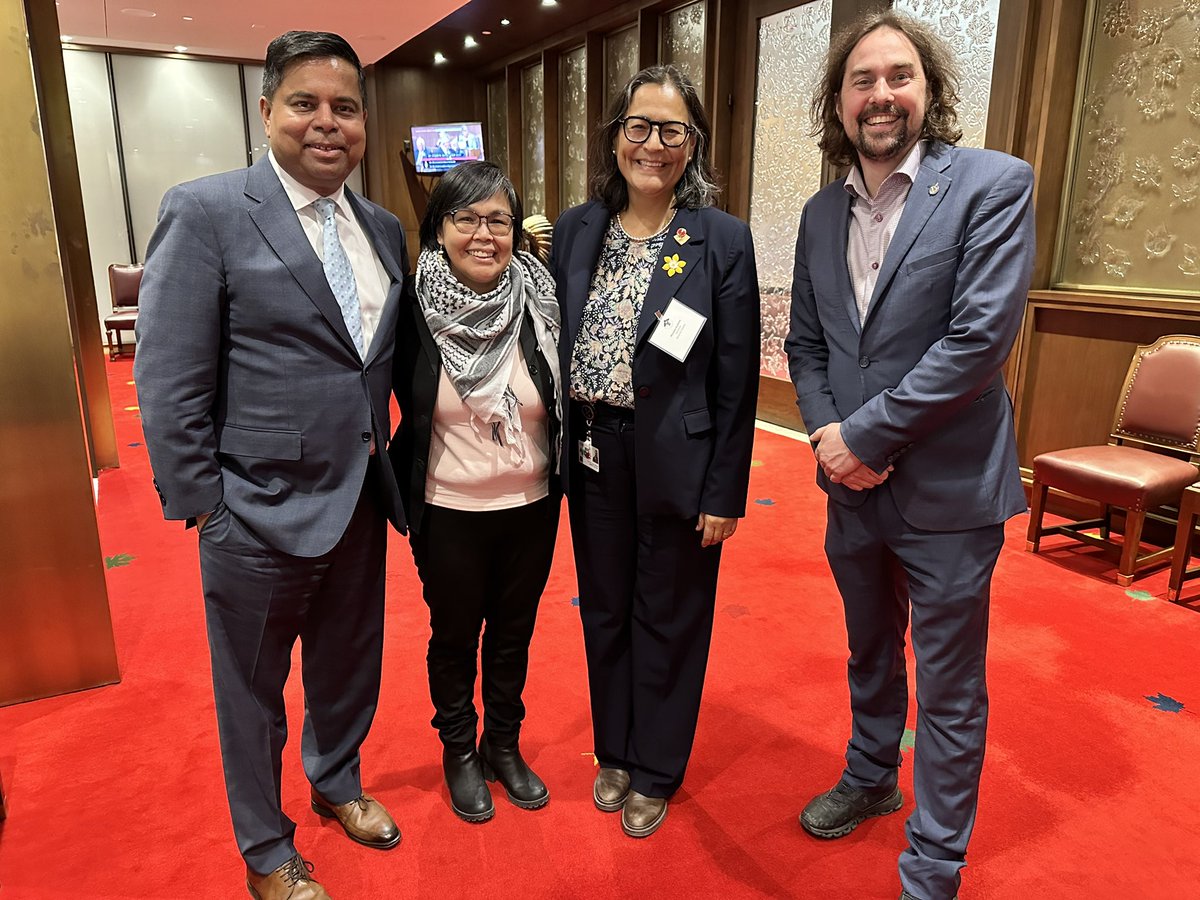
pixel 467 222
pixel 637 130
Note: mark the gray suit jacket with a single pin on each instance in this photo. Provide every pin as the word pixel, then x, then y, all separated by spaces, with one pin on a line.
pixel 251 391
pixel 918 384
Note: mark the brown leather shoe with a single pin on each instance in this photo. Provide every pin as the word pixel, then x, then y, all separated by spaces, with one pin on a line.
pixel 642 815
pixel 610 790
pixel 364 820
pixel 291 881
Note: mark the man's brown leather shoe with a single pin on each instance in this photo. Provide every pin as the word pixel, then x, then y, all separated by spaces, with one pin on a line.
pixel 611 789
pixel 364 820
pixel 291 881
pixel 642 815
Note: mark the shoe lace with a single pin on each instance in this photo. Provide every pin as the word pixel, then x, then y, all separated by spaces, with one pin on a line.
pixel 296 870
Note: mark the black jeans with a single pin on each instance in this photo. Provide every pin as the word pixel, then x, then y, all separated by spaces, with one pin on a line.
pixel 482 567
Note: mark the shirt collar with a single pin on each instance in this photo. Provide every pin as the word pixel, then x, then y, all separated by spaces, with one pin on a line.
pixel 302 196
pixel 857 187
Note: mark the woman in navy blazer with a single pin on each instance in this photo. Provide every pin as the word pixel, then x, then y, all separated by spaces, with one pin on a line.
pixel 660 345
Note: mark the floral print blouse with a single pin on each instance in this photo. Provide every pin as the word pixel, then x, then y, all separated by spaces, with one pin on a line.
pixel 602 358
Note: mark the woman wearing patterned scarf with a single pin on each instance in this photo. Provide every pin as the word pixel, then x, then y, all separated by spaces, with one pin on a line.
pixel 476 459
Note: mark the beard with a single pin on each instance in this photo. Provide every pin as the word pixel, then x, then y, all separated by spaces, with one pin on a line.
pixel 883 146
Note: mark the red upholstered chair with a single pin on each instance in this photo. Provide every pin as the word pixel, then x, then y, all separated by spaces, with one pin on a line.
pixel 1152 454
pixel 123 283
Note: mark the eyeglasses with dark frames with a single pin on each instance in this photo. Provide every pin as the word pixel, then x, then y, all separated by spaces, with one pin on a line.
pixel 467 222
pixel 637 130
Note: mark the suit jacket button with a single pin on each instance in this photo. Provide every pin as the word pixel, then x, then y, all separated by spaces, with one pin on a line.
pixel 864 361
pixel 644 391
pixel 366 436
pixel 533 369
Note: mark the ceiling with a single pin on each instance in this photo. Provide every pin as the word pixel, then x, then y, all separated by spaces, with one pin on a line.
pixel 241 29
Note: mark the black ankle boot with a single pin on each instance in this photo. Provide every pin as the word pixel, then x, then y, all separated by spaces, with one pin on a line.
pixel 520 782
pixel 469 795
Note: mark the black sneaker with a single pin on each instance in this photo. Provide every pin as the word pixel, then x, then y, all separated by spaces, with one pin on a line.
pixel 838 812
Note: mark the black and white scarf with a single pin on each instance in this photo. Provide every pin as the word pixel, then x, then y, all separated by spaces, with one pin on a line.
pixel 476 335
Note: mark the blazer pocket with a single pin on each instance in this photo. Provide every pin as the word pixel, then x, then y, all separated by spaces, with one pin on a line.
pixel 237 440
pixel 697 422
pixel 930 260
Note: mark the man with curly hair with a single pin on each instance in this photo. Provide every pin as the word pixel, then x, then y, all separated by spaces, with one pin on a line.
pixel 896 351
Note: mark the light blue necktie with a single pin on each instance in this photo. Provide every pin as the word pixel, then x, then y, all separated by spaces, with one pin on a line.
pixel 339 273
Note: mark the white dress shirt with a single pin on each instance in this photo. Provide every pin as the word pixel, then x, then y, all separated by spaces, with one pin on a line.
pixel 370 277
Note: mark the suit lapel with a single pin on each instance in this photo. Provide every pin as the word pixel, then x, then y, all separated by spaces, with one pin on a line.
pixel 281 228
pixel 929 188
pixel 674 263
pixel 585 253
pixel 383 248
pixel 841 243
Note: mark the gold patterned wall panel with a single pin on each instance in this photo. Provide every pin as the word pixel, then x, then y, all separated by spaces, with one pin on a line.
pixel 533 148
pixel 620 62
pixel 573 127
pixel 786 162
pixel 497 124
pixel 970 28
pixel 683 41
pixel 1132 218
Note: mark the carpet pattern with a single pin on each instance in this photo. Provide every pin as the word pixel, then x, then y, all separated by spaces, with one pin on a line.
pixel 1089 788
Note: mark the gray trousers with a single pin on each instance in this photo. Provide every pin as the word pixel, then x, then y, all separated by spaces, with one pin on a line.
pixel 886 570
pixel 258 601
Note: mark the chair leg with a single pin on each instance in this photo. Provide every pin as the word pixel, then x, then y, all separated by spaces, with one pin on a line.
pixel 1189 510
pixel 1106 523
pixel 1129 548
pixel 112 353
pixel 1037 507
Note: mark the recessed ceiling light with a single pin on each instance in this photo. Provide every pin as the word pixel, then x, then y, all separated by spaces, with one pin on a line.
pixel 187 18
pixel 505 22
pixel 179 48
pixel 438 58
pixel 138 13
pixel 549 2
pixel 469 41
pixel 485 32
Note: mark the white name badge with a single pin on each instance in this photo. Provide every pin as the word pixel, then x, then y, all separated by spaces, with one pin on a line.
pixel 677 329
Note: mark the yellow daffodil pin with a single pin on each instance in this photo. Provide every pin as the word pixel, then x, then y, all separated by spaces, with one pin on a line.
pixel 673 265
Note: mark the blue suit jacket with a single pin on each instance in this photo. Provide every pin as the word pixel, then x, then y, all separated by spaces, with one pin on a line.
pixel 251 391
pixel 695 419
pixel 918 384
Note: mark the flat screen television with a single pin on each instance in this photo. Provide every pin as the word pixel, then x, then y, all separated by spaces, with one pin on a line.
pixel 437 148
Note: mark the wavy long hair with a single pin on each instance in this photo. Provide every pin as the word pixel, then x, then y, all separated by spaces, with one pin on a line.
pixel 941 78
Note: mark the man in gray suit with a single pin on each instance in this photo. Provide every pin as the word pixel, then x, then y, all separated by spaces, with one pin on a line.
pixel 910 283
pixel 264 356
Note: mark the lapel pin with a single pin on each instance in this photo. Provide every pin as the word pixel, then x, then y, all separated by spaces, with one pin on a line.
pixel 933 189
pixel 673 265
pixel 681 236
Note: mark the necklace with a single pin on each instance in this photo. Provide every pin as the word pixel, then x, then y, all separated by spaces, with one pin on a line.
pixel 639 247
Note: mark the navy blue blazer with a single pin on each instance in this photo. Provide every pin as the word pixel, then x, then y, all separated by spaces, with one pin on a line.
pixel 251 391
pixel 695 419
pixel 919 384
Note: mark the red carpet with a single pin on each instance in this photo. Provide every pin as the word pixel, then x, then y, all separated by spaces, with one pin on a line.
pixel 1089 788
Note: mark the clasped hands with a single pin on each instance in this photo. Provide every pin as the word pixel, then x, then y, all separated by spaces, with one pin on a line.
pixel 840 464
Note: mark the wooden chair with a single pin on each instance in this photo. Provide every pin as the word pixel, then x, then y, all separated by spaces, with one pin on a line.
pixel 1152 455
pixel 1185 531
pixel 124 282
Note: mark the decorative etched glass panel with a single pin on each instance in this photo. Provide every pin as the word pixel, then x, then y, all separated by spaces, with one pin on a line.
pixel 572 120
pixel 683 41
pixel 533 148
pixel 1133 209
pixel 496 148
pixel 786 162
pixel 969 26
pixel 620 62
